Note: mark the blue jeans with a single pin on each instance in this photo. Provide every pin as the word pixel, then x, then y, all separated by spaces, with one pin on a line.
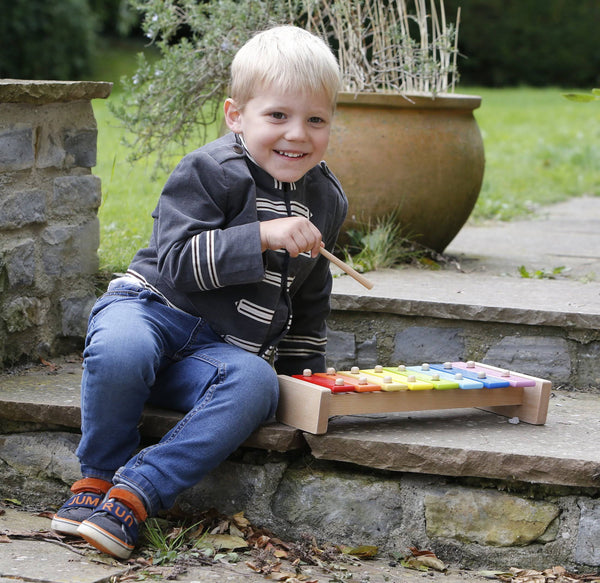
pixel 139 350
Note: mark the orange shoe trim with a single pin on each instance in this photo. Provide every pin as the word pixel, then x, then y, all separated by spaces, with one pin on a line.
pixel 95 485
pixel 131 501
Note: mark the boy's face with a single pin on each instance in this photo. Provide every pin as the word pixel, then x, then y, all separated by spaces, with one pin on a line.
pixel 286 134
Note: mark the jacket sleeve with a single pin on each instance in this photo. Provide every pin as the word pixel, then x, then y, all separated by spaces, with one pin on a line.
pixel 206 231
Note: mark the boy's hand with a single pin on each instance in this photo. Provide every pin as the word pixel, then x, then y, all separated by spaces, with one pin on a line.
pixel 294 234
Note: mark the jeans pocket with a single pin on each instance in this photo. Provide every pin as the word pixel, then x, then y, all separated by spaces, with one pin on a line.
pixel 121 293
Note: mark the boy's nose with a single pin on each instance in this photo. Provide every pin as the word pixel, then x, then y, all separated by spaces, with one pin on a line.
pixel 296 131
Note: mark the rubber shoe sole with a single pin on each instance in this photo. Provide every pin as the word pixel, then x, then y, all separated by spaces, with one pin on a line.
pixel 104 541
pixel 65 525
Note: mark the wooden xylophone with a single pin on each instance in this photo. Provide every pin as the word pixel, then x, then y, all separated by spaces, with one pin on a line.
pixel 307 401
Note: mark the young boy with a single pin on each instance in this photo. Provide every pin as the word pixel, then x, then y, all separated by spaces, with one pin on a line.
pixel 231 281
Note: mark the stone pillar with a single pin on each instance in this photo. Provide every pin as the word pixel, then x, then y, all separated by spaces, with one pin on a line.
pixel 49 230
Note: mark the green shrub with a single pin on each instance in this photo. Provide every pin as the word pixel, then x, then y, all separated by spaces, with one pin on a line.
pixel 178 96
pixel 528 42
pixel 42 39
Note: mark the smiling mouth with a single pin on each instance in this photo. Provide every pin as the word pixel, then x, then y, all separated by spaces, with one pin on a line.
pixel 291 154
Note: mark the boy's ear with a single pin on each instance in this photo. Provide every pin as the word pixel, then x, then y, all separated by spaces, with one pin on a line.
pixel 233 116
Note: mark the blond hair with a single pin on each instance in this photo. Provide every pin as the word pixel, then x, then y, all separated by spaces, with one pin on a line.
pixel 287 57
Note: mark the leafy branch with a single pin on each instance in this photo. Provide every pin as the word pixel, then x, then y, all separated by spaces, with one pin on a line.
pixel 584 97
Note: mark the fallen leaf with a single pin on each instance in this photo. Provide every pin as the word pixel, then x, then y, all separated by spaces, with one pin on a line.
pixel 262 541
pixel 235 531
pixel 424 560
pixel 362 551
pixel 432 562
pixel 252 566
pixel 414 563
pixel 240 520
pixel 53 367
pixel 420 552
pixel 225 541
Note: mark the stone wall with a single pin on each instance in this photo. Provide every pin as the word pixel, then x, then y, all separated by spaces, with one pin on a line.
pixel 567 357
pixel 49 230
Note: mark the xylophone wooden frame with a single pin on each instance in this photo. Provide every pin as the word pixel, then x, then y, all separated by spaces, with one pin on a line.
pixel 308 406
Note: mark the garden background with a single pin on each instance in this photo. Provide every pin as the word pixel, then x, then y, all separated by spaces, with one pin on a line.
pixel 519 55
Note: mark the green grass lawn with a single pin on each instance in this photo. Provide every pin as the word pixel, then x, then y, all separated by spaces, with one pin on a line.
pixel 540 149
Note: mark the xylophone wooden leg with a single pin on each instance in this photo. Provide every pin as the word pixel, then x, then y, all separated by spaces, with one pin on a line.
pixel 303 405
pixel 534 408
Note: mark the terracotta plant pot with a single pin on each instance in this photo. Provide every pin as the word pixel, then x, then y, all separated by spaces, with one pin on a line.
pixel 414 154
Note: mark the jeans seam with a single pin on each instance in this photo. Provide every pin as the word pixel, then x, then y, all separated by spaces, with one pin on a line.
pixel 191 340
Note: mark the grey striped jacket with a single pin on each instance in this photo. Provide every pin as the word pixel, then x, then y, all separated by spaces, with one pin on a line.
pixel 204 255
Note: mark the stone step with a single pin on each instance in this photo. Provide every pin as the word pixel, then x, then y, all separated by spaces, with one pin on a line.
pixel 51 397
pixel 546 328
pixel 457 442
pixel 473 487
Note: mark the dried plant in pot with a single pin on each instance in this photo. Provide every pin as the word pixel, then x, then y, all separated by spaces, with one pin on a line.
pixel 403 142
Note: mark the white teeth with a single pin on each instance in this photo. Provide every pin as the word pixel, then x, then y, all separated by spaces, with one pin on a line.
pixel 290 155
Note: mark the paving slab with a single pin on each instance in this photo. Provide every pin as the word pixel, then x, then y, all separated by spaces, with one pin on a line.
pixel 39 561
pixel 471 442
pixel 51 395
pixel 566 235
pixel 50 560
pixel 482 281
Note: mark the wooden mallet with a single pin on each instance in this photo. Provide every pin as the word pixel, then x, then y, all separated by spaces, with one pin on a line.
pixel 346 268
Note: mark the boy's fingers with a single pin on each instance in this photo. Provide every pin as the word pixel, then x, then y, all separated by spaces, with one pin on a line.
pixel 294 234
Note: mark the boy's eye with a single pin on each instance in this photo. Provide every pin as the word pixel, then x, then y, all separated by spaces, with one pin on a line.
pixel 277 115
pixel 316 120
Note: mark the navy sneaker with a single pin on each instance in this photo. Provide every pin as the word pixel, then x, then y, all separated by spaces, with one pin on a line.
pixel 113 528
pixel 87 495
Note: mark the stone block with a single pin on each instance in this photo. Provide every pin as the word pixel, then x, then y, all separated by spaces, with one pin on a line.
pixel 22 313
pixel 19 263
pixel 43 92
pixel 57 241
pixel 349 508
pixel 588 372
pixel 418 344
pixel 80 146
pixel 50 152
pixel 546 357
pixel 587 549
pixel 367 353
pixel 71 249
pixel 16 147
pixel 341 349
pixel 487 518
pixel 76 195
pixel 18 209
pixel 38 468
pixel 235 486
pixel 75 313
